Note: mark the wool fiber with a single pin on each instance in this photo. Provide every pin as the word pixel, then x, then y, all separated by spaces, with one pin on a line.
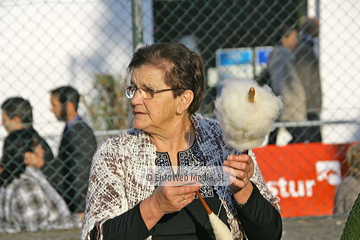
pixel 246 124
pixel 221 231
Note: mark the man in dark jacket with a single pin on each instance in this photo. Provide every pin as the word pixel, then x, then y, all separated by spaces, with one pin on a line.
pixel 307 64
pixel 77 147
pixel 17 118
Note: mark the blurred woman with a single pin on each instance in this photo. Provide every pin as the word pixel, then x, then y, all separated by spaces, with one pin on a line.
pixel 348 190
pixel 167 88
pixel 27 200
pixel 285 82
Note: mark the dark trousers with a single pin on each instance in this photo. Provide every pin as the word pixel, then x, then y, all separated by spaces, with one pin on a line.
pixel 301 134
pixel 313 132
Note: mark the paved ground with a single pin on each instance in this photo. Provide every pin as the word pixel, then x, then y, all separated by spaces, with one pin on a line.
pixel 324 228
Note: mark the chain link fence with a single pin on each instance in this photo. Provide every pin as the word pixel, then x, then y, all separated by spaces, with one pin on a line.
pixel 88 43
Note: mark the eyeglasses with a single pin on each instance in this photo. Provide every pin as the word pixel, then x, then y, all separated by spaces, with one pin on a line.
pixel 145 93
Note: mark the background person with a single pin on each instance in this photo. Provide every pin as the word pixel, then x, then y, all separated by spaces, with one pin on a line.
pixel 348 190
pixel 167 88
pixel 28 202
pixel 285 82
pixel 307 64
pixel 77 147
pixel 17 118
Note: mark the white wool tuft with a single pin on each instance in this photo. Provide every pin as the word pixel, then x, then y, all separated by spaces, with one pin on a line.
pixel 246 124
pixel 221 231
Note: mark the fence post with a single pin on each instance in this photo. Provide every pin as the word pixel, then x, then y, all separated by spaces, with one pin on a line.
pixel 137 24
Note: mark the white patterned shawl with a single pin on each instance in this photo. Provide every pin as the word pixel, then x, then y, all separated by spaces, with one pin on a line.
pixel 113 188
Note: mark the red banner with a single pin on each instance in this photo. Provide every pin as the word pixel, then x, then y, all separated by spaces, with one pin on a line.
pixel 303 176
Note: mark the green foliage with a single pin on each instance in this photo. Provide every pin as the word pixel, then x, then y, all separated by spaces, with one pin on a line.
pixel 107 106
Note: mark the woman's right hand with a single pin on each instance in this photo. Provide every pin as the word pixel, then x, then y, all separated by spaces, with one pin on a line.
pixel 168 198
pixel 172 197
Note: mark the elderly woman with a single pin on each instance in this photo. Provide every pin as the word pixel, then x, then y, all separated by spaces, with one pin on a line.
pixel 28 202
pixel 167 88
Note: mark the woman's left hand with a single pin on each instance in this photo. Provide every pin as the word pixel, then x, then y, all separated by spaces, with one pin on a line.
pixel 243 165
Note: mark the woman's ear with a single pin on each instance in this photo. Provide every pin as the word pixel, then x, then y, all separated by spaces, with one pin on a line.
pixel 186 99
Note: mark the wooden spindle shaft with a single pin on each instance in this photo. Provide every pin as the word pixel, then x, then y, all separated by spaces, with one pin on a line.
pixel 202 200
pixel 251 94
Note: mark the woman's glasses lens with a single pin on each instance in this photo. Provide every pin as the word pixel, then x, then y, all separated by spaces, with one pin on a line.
pixel 129 91
pixel 146 93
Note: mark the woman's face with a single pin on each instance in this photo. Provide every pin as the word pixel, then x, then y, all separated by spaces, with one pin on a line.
pixel 157 114
pixel 35 159
pixel 290 41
